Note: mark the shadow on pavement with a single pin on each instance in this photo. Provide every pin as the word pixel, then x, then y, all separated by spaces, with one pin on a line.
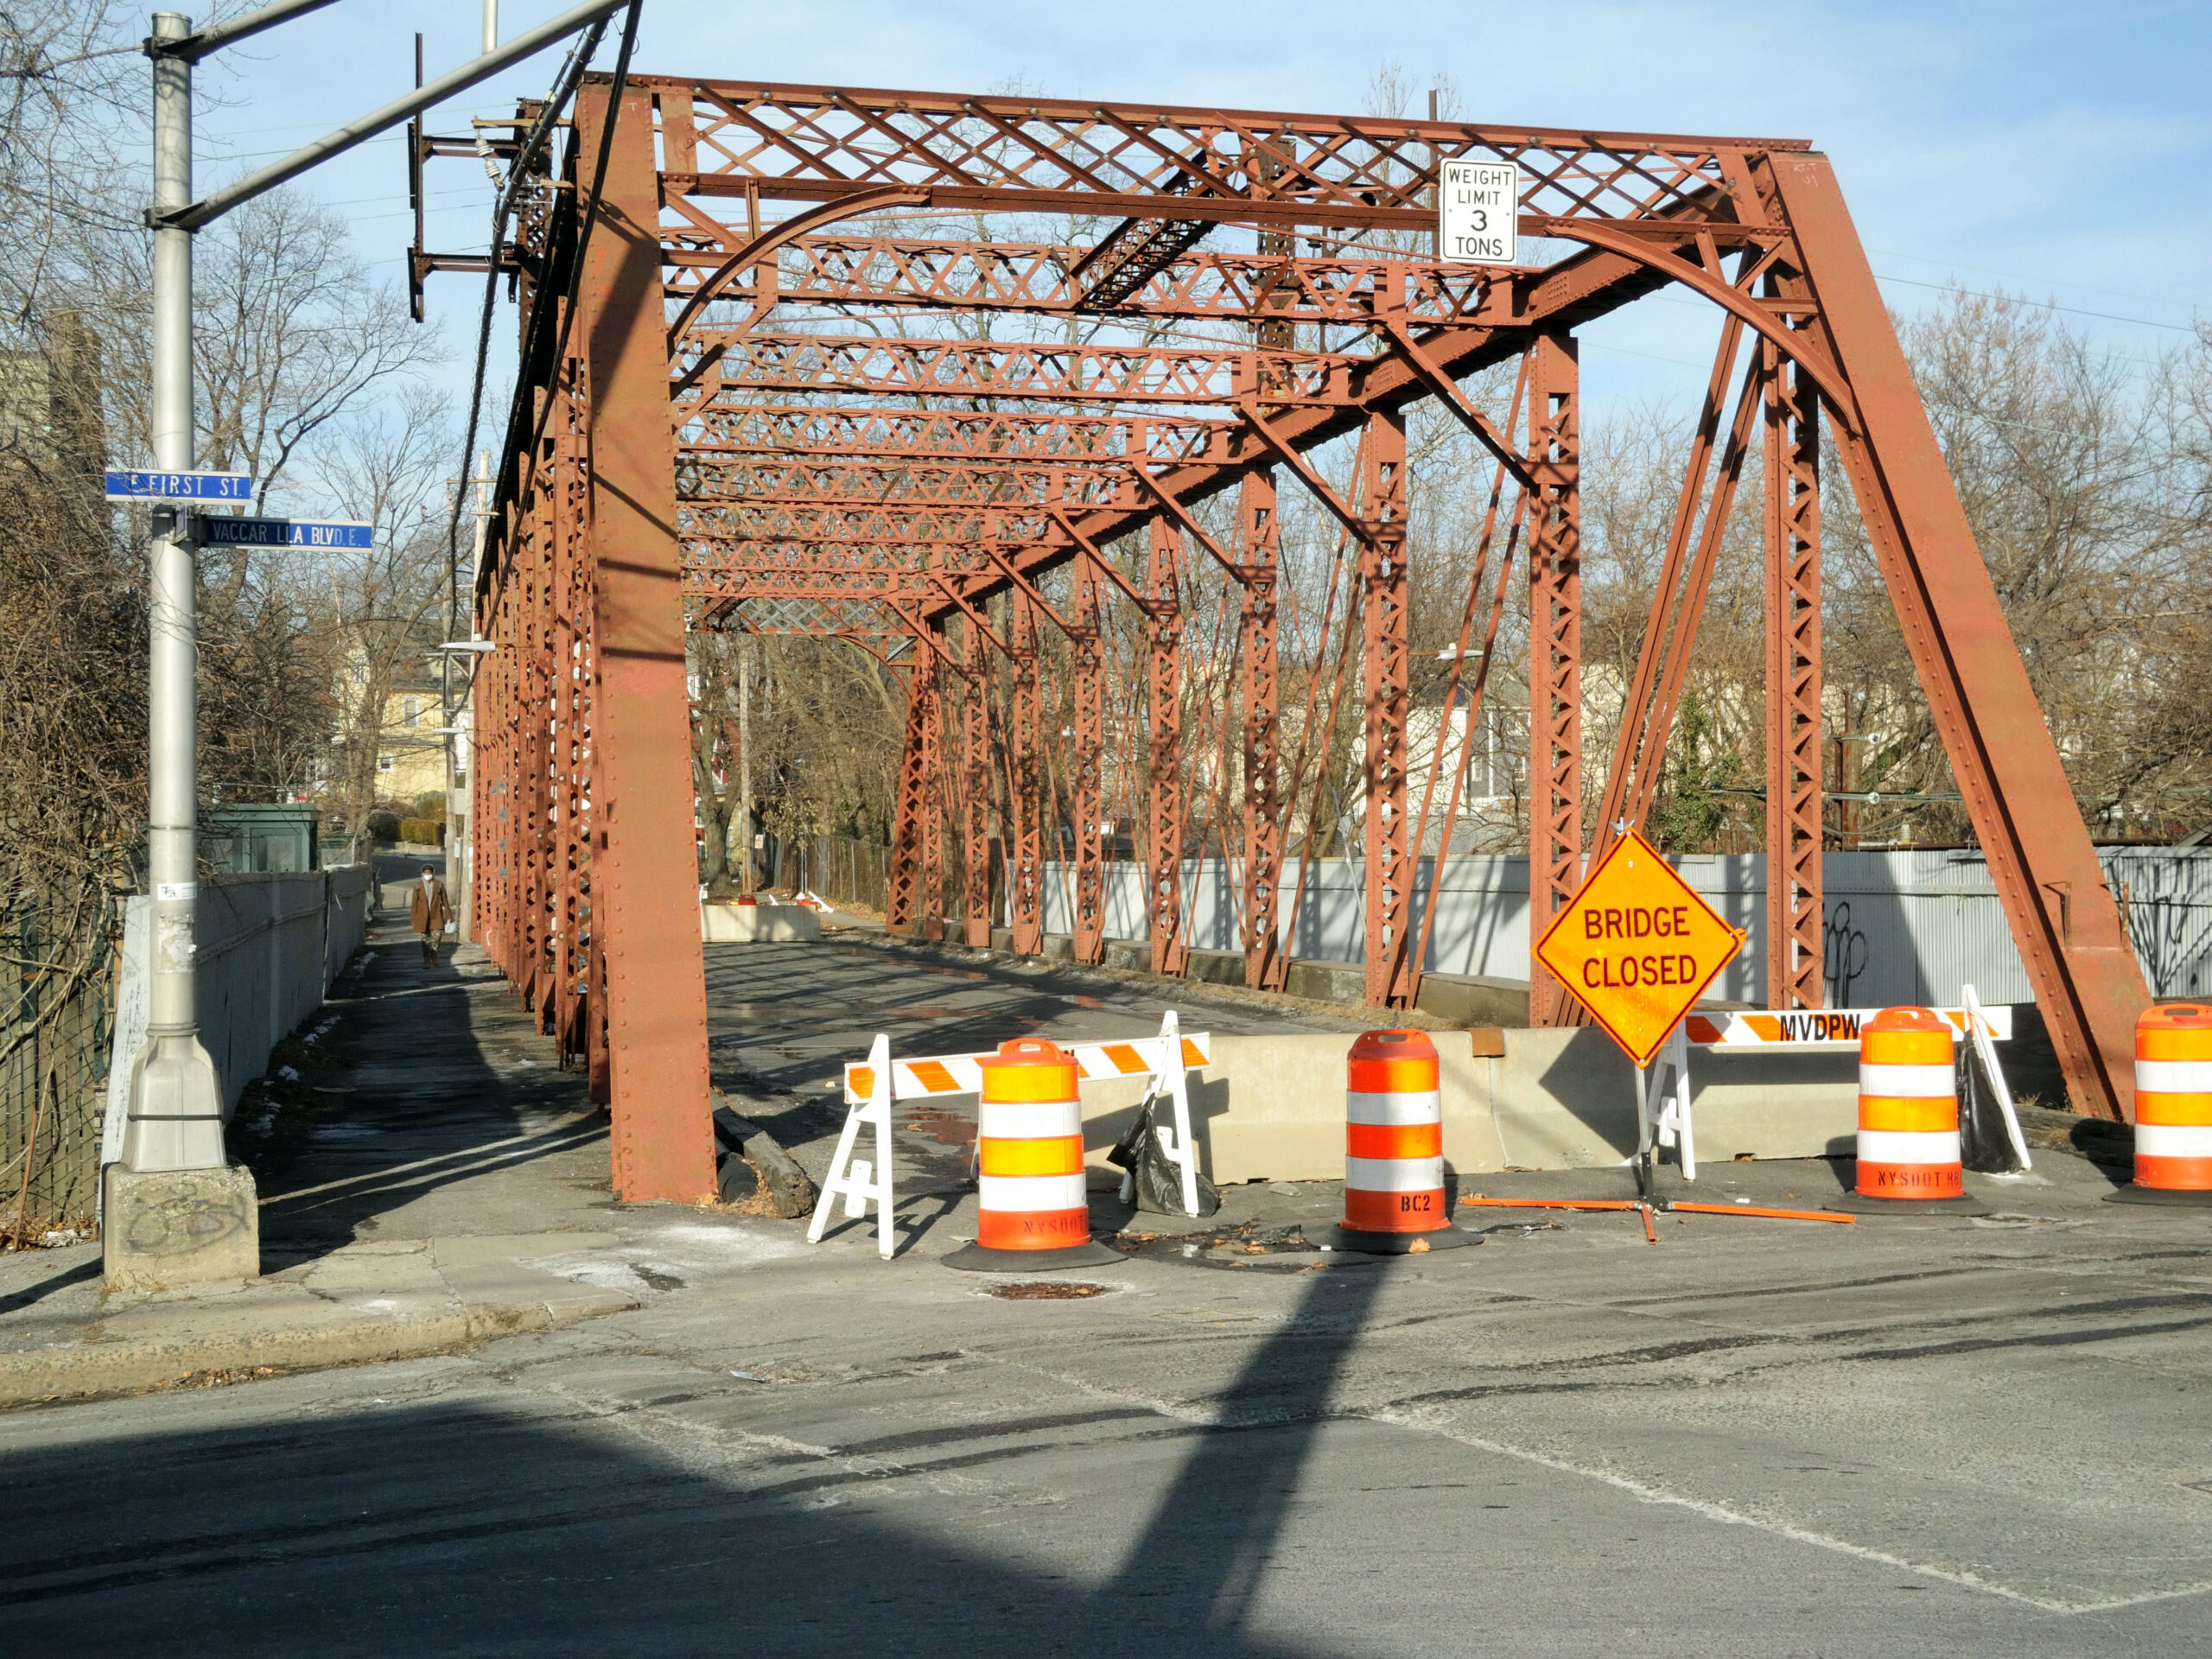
pixel 435 1078
pixel 458 1528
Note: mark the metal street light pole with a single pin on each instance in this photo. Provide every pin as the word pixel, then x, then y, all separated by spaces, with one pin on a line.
pixel 175 1117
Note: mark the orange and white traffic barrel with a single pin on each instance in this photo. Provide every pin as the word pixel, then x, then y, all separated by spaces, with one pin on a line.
pixel 2173 1107
pixel 1033 1211
pixel 1908 1117
pixel 1395 1202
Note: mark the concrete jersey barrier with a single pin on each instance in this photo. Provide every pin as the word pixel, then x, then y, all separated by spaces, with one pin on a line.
pixel 1272 1108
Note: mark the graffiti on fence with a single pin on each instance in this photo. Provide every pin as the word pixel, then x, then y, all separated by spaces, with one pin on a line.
pixel 1845 951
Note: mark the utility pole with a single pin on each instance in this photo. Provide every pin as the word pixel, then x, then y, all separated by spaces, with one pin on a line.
pixel 176 1212
pixel 176 1119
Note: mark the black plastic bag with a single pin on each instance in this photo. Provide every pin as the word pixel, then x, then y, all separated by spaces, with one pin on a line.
pixel 1159 1177
pixel 1985 1141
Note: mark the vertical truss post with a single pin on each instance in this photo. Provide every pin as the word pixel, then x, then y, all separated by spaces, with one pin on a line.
pixel 1025 876
pixel 903 897
pixel 2065 922
pixel 1259 546
pixel 1794 934
pixel 1164 759
pixel 933 872
pixel 1385 642
pixel 535 794
pixel 491 773
pixel 544 782
pixel 1276 334
pixel 1555 658
pixel 1087 759
pixel 645 894
pixel 570 714
pixel 975 793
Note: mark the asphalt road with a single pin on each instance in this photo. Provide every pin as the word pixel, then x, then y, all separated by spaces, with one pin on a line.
pixel 1940 1436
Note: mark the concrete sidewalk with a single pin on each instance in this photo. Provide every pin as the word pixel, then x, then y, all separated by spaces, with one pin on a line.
pixel 416 1152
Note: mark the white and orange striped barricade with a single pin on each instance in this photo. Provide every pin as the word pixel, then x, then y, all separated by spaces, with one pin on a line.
pixel 858 1180
pixel 1164 1061
pixel 1668 1122
pixel 1032 1208
pixel 1822 1027
pixel 2173 1107
pixel 1908 1119
pixel 1395 1201
pixel 1662 1105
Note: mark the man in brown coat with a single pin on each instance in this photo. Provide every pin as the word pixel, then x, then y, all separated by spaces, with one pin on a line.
pixel 428 910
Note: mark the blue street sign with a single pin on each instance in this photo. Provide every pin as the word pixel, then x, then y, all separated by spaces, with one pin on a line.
pixel 179 486
pixel 223 531
pixel 340 533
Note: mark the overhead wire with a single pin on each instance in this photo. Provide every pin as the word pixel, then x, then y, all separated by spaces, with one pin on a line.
pixel 591 216
pixel 565 86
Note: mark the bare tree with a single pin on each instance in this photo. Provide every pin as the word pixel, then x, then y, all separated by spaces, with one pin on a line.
pixel 385 604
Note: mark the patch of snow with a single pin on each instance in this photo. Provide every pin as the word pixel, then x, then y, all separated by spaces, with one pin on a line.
pixel 601 1268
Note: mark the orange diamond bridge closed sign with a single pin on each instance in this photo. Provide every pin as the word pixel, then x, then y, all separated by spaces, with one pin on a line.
pixel 1637 946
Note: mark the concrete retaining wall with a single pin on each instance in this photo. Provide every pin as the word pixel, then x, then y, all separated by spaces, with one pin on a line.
pixel 1273 1108
pixel 721 924
pixel 269 947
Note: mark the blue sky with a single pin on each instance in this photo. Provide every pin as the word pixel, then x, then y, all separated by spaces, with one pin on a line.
pixel 2060 151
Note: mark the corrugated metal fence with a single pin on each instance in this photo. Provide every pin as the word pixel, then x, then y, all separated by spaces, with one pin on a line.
pixel 1901 926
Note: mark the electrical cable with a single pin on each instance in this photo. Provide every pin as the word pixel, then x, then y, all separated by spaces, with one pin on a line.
pixel 565 88
pixel 567 309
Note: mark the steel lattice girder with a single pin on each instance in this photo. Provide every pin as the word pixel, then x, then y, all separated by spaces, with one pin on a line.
pixel 1164 744
pixel 898 366
pixel 1200 284
pixel 1554 656
pixel 1087 763
pixel 1795 936
pixel 832 430
pixel 890 523
pixel 1385 595
pixel 975 793
pixel 1007 154
pixel 1025 875
pixel 863 481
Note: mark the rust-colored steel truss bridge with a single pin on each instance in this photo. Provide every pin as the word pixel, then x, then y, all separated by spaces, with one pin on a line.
pixel 755 395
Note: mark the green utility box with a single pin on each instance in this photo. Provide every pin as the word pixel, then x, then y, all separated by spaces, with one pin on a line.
pixel 249 837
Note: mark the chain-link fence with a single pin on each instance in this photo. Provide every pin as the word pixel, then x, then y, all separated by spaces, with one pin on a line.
pixel 849 872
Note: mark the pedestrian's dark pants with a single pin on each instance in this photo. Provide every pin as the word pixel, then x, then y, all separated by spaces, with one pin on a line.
pixel 429 947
